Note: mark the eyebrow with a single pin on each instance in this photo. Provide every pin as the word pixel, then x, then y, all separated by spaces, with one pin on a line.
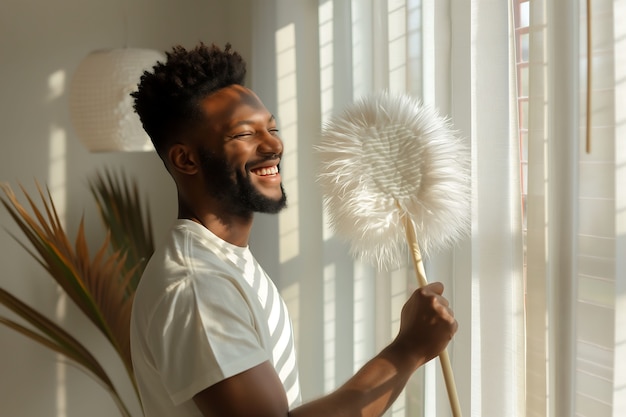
pixel 249 122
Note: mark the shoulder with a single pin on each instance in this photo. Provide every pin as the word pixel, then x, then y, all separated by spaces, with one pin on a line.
pixel 184 263
pixel 184 250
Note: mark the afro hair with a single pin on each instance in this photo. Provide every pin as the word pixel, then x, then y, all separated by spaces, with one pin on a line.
pixel 167 98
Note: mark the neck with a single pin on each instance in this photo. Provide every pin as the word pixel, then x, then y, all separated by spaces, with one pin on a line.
pixel 234 229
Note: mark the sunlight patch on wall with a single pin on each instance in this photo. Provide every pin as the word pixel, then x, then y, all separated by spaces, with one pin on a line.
pixel 415 46
pixel 291 297
pixel 397 45
pixel 56 85
pixel 57 184
pixel 398 289
pixel 398 284
pixel 330 313
pixel 364 314
pixel 429 53
pixel 286 82
pixel 61 365
pixel 326 59
pixel 619 376
pixel 326 51
pixel 361 49
pixel 57 171
pixel 620 124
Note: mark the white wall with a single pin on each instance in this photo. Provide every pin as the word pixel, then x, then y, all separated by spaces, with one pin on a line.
pixel 41 43
pixel 290 245
pixel 314 272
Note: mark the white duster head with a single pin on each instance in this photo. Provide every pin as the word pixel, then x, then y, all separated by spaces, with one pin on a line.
pixel 385 157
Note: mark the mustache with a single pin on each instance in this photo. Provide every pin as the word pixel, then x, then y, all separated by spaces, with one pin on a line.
pixel 268 158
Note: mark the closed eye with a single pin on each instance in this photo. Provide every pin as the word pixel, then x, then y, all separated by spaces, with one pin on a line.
pixel 241 135
pixel 273 131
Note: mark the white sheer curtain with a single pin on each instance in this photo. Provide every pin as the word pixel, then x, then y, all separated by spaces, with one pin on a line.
pixel 497 316
pixel 576 272
pixel 312 57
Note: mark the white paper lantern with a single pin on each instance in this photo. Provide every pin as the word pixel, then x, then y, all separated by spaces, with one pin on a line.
pixel 100 104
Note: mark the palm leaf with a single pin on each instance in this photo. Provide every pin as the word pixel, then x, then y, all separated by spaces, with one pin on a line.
pixel 122 213
pixel 55 338
pixel 102 287
pixel 99 287
pixel 52 249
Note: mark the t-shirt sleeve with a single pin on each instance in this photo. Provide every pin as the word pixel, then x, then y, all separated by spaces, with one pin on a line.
pixel 201 333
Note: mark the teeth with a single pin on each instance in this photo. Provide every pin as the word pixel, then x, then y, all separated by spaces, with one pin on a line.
pixel 266 171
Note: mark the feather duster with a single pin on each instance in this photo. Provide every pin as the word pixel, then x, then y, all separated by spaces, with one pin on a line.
pixel 387 159
pixel 395 174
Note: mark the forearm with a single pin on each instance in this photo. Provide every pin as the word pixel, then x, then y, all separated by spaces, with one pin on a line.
pixel 369 392
pixel 426 327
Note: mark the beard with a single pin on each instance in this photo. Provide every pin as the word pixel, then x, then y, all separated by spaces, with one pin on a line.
pixel 235 190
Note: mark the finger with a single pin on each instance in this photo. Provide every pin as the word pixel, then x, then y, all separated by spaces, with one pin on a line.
pixel 436 287
pixel 432 288
pixel 447 315
pixel 442 300
pixel 453 328
pixel 444 311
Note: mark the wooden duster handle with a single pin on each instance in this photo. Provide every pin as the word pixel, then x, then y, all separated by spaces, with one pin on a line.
pixel 444 359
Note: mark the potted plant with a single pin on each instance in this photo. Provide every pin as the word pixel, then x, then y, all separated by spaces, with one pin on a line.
pixel 102 287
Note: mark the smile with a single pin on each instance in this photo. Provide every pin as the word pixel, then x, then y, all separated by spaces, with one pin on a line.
pixel 265 171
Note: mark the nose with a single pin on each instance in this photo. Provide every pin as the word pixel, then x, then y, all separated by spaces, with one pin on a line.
pixel 270 144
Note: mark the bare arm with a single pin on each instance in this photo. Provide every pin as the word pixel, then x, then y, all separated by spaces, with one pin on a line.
pixel 426 328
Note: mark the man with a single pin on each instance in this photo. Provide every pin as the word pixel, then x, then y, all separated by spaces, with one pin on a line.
pixel 210 335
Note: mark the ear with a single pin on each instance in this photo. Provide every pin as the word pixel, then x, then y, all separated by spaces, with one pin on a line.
pixel 183 159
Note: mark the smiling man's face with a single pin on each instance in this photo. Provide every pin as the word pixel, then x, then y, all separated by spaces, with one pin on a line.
pixel 240 160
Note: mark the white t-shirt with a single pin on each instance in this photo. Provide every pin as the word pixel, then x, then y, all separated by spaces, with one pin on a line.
pixel 204 311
